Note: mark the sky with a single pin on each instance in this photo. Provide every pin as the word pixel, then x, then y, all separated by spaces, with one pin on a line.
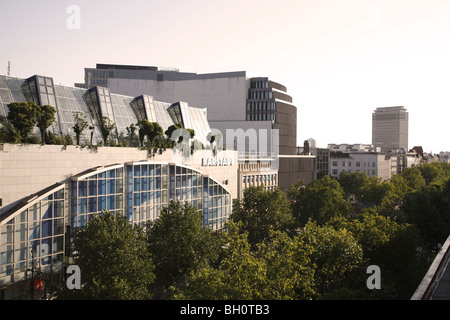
pixel 339 59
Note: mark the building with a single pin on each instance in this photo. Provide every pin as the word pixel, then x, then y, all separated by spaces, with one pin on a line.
pixel 390 128
pixel 234 101
pixel 48 190
pixel 255 116
pixel 359 158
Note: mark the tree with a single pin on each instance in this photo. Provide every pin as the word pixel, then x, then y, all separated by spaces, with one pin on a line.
pixel 80 124
pixel 44 118
pixel 131 131
pixel 335 253
pixel 145 127
pixel 172 128
pixel 240 274
pixel 429 210
pixel 262 211
pixel 352 182
pixel 179 244
pixel 107 127
pixel 319 201
pixel 114 260
pixel 156 131
pixel 22 116
pixel 8 134
pixel 414 178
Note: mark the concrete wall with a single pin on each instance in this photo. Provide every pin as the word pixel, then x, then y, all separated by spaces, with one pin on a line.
pixel 27 169
pixel 293 168
pixel 225 98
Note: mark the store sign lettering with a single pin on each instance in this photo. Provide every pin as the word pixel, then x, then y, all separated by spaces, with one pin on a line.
pixel 209 162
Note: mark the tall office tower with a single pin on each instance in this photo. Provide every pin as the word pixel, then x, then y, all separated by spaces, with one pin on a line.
pixel 390 128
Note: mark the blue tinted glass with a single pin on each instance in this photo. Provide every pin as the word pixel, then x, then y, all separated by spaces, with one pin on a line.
pixel 144 197
pixel 101 203
pixel 74 188
pixel 137 199
pixel 144 170
pixel 151 184
pixel 151 170
pixel 47 210
pixel 101 187
pixel 92 204
pixel 144 184
pixel 74 205
pixel 35 231
pixel 111 173
pixel 82 188
pixel 129 171
pixel 158 183
pixel 82 205
pixel 102 175
pixel 92 187
pixel 129 213
pixel 158 169
pixel 129 199
pixel 111 186
pixel 46 228
pixel 137 184
pixel 137 171
pixel 110 203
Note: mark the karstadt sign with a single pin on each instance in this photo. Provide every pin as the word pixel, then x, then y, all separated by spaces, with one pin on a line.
pixel 211 162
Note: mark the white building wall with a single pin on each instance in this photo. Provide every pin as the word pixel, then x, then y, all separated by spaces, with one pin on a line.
pixel 225 98
pixel 375 165
pixel 27 169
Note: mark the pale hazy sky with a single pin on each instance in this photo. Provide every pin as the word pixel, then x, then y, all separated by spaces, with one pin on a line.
pixel 339 59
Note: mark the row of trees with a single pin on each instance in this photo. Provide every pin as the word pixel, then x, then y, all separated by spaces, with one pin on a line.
pixel 315 242
pixel 23 117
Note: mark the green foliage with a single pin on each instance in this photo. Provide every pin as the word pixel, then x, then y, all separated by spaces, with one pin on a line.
pixel 44 118
pixel 80 124
pixel 113 259
pixel 179 244
pixel 107 126
pixel 353 182
pixel 335 253
pixel 261 212
pixel 8 134
pixel 429 210
pixel 319 201
pixel 22 116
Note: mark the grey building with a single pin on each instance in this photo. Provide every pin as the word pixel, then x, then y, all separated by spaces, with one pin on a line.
pixel 256 116
pixel 390 128
pixel 234 102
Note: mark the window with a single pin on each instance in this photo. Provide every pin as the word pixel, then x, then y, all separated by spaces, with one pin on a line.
pixel 358 164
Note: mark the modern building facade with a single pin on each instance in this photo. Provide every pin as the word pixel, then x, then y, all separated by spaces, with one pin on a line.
pixel 255 116
pixel 390 128
pixel 48 191
pixel 98 102
pixel 234 102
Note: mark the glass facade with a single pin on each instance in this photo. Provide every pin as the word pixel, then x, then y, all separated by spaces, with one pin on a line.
pixel 95 103
pixel 38 229
pixel 32 241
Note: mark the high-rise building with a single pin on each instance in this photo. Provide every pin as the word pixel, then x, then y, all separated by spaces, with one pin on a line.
pixel 390 128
